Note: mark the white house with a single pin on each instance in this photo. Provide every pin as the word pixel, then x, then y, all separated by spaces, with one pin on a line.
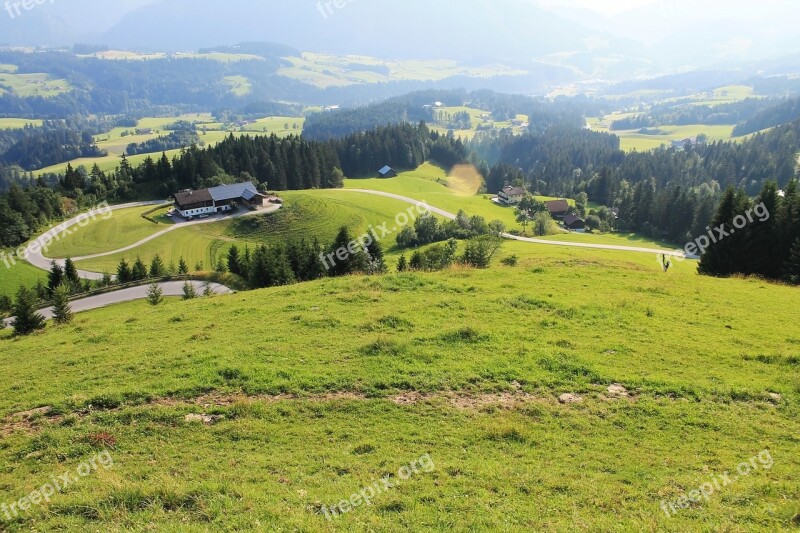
pixel 217 199
pixel 511 195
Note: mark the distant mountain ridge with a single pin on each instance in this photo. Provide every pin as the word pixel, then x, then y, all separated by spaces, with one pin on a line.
pixel 519 30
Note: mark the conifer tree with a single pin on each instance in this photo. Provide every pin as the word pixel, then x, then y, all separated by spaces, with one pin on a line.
pixel 402 264
pixel 189 292
pixel 62 311
pixel 138 271
pixel 26 317
pixel 157 268
pixel 55 277
pixel 155 295
pixel 71 274
pixel 183 268
pixel 124 274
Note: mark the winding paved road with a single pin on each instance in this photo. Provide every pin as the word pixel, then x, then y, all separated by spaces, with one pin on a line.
pixel 170 288
pixel 37 248
pixel 451 216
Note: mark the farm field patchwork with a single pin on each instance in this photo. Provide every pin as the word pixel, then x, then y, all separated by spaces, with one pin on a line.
pixel 324 70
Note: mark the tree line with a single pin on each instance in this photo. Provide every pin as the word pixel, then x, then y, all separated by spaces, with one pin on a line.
pixel 758 237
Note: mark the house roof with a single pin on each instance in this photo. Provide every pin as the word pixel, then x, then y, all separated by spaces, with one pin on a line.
pixel 514 191
pixel 192 197
pixel 569 220
pixel 386 170
pixel 230 192
pixel 557 206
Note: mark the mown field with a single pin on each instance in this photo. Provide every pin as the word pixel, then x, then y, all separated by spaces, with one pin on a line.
pixel 18 274
pixel 17 123
pixel 324 388
pixel 109 232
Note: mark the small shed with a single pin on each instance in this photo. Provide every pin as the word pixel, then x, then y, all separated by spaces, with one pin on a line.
pixel 574 223
pixel 387 172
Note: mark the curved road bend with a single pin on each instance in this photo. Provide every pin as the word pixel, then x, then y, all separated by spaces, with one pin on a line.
pixel 37 258
pixel 451 216
pixel 170 288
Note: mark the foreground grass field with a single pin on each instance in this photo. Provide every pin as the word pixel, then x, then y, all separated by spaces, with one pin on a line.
pixel 324 388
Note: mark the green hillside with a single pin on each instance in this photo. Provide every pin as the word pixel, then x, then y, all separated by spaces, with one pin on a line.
pixel 326 387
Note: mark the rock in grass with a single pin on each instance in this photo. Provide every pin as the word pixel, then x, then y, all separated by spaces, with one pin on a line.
pixel 570 398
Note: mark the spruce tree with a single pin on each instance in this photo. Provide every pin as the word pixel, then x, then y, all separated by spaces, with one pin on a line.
pixel 26 317
pixel 55 277
pixel 124 274
pixel 62 312
pixel 402 264
pixel 157 268
pixel 139 271
pixel 183 268
pixel 376 264
pixel 155 295
pixel 71 274
pixel 189 292
pixel 234 262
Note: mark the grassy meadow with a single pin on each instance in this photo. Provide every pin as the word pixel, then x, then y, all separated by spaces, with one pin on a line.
pixel 324 388
pixel 18 274
pixel 32 85
pixel 18 123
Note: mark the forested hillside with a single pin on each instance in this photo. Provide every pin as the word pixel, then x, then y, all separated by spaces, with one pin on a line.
pixel 663 193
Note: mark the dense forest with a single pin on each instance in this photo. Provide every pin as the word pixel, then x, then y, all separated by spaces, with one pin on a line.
pixel 48 147
pixel 756 237
pixel 770 117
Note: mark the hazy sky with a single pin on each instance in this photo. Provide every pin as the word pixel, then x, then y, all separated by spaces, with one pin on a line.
pixel 605 7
